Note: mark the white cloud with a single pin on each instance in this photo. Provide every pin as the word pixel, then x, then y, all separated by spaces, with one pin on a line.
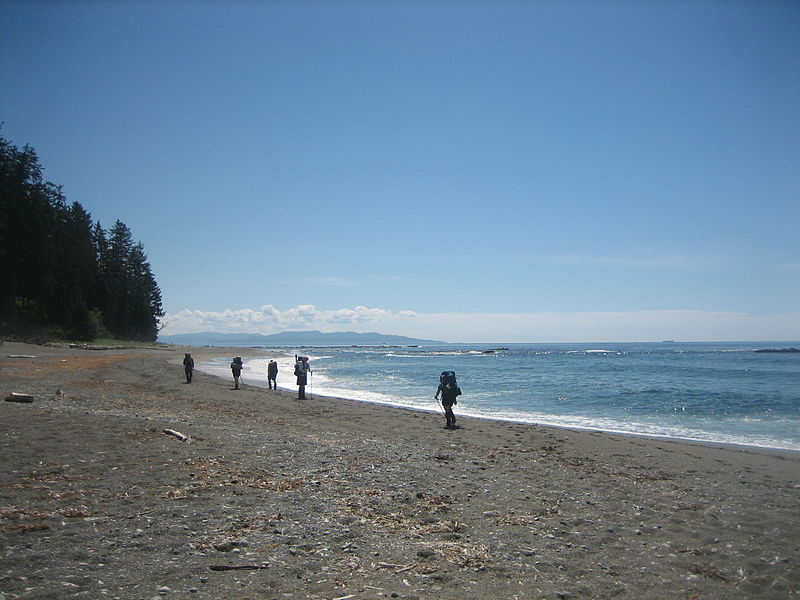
pixel 269 319
pixel 680 325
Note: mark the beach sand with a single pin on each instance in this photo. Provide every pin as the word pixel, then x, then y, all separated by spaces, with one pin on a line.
pixel 272 497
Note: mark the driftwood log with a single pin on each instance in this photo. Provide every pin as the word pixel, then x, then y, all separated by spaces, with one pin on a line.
pixel 237 567
pixel 17 397
pixel 177 434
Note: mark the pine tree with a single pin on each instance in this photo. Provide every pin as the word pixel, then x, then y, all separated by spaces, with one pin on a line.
pixel 61 273
pixel 27 243
pixel 76 276
pixel 120 244
pixel 145 307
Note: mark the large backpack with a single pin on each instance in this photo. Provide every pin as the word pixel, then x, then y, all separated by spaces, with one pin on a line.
pixel 449 384
pixel 301 366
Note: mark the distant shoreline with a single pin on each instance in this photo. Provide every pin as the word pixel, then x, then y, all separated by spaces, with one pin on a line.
pixel 296 338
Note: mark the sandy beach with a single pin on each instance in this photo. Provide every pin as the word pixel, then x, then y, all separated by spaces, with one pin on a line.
pixel 271 497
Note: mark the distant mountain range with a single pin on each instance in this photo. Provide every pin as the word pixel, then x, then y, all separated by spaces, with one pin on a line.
pixel 294 338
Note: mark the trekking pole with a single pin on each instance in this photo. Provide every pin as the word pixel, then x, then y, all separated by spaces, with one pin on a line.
pixel 310 385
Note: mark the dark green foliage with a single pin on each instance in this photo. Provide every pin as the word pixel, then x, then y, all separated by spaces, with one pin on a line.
pixel 62 275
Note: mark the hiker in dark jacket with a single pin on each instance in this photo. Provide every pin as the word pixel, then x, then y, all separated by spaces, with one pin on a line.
pixel 236 369
pixel 449 390
pixel 301 370
pixel 272 375
pixel 188 367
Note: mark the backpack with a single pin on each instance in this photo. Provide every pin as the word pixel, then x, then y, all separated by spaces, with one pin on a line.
pixel 301 366
pixel 449 384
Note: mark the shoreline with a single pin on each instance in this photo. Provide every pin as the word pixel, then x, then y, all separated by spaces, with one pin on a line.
pixel 273 497
pixel 574 429
pixel 208 352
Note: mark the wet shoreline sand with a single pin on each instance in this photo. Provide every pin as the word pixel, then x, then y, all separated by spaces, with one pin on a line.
pixel 272 497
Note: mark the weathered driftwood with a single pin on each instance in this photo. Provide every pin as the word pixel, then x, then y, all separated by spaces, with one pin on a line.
pixel 93 347
pixel 237 567
pixel 399 568
pixel 17 397
pixel 177 434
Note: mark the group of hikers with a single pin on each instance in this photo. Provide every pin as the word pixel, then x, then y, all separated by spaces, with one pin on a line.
pixel 448 387
pixel 301 370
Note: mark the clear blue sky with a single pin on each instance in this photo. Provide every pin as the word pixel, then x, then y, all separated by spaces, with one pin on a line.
pixel 466 171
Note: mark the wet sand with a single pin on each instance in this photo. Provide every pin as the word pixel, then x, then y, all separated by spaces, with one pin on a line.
pixel 272 497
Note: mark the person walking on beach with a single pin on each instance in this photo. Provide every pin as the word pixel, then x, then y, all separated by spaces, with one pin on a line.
pixel 449 390
pixel 236 369
pixel 188 367
pixel 301 370
pixel 272 375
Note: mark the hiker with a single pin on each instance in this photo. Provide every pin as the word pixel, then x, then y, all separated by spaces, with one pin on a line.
pixel 236 369
pixel 449 390
pixel 301 370
pixel 188 367
pixel 272 375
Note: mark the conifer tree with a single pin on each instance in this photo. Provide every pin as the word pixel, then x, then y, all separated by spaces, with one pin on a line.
pixel 59 272
pixel 72 301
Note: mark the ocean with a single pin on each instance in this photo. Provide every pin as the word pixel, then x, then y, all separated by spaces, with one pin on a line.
pixel 710 392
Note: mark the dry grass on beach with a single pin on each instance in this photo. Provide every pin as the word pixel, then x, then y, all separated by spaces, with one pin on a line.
pixel 271 497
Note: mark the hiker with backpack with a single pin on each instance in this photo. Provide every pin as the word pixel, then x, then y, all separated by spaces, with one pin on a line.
pixel 188 367
pixel 449 390
pixel 272 375
pixel 236 369
pixel 301 371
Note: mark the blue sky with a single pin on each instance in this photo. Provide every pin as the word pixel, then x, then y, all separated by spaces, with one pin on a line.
pixel 464 171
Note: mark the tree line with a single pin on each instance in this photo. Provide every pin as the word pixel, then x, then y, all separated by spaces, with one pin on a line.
pixel 61 274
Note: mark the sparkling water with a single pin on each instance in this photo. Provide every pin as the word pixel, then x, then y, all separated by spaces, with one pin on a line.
pixel 715 392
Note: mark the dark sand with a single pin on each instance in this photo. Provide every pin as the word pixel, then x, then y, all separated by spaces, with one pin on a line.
pixel 278 498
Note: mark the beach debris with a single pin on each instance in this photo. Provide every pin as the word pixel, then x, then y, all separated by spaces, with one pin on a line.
pixel 238 567
pixel 230 545
pixel 395 567
pixel 177 434
pixel 17 397
pixel 95 347
pixel 21 356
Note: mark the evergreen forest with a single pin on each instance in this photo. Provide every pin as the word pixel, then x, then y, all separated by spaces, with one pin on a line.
pixel 62 276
